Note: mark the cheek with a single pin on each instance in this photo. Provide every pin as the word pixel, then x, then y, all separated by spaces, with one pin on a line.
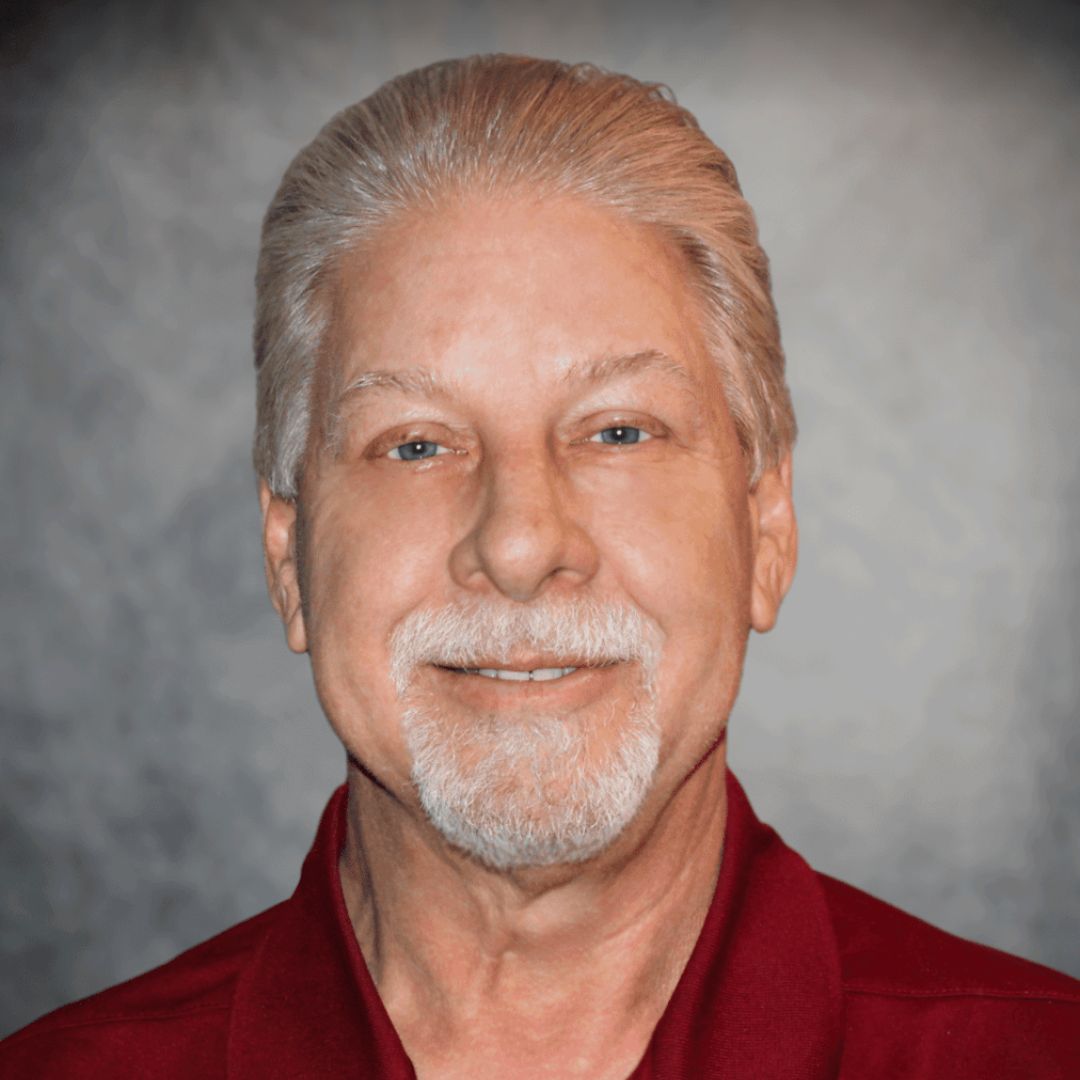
pixel 681 552
pixel 364 553
pixel 366 569
pixel 681 548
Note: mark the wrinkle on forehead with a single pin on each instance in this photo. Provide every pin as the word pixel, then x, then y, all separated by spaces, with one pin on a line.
pixel 425 383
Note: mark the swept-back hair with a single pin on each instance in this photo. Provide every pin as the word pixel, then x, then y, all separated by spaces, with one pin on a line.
pixel 490 124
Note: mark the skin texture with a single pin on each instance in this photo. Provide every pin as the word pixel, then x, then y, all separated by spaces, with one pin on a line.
pixel 561 970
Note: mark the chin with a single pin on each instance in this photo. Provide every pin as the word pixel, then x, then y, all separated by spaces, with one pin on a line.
pixel 533 790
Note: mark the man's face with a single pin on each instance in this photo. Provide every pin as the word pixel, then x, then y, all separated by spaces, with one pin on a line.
pixel 526 465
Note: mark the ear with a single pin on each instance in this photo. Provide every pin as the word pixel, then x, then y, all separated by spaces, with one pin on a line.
pixel 775 544
pixel 282 568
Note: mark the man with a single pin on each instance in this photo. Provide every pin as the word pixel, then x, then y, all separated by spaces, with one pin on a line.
pixel 524 448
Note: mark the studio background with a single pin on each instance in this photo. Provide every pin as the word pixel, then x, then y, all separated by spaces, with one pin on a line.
pixel 911 725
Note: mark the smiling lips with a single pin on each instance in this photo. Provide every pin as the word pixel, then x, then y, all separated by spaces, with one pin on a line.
pixel 544 674
pixel 541 670
pixel 550 683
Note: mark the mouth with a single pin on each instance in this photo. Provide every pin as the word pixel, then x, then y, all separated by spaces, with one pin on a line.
pixel 560 682
pixel 538 674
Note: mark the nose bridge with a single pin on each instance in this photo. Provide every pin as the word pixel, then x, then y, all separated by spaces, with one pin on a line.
pixel 524 532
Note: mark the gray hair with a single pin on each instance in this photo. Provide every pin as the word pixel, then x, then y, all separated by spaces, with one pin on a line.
pixel 489 124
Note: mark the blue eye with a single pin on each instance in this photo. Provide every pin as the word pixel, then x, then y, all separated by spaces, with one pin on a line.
pixel 622 435
pixel 417 451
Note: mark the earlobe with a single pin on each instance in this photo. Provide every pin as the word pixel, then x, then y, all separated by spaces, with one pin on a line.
pixel 282 569
pixel 776 543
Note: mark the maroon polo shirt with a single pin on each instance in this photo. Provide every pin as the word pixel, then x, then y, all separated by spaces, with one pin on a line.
pixel 795 975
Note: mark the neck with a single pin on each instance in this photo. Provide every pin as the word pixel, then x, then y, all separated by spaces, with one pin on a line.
pixel 547 971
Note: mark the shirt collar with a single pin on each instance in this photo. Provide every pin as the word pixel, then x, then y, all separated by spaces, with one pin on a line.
pixel 760 996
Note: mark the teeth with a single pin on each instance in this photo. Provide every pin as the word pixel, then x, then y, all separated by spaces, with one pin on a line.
pixel 540 674
pixel 537 675
pixel 500 673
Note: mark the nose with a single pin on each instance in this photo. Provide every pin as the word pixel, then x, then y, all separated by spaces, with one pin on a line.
pixel 525 534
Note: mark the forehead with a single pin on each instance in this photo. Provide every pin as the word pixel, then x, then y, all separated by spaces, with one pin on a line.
pixel 523 286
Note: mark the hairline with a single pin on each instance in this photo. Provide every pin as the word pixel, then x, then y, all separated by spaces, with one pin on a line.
pixel 751 381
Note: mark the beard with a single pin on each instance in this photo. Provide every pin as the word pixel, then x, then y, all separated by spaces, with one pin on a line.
pixel 529 787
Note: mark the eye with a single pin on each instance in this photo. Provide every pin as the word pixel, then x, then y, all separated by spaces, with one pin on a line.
pixel 417 451
pixel 621 435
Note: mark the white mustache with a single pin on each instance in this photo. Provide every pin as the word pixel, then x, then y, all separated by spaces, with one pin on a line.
pixel 588 630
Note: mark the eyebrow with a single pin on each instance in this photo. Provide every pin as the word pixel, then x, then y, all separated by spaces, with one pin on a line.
pixel 419 381
pixel 423 382
pixel 621 365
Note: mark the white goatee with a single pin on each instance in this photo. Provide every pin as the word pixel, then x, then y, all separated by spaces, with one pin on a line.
pixel 529 787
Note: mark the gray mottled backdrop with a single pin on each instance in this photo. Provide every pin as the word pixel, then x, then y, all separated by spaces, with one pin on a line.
pixel 912 723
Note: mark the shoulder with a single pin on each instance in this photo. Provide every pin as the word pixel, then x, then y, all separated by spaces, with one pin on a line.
pixel 934 1004
pixel 886 950
pixel 160 1023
